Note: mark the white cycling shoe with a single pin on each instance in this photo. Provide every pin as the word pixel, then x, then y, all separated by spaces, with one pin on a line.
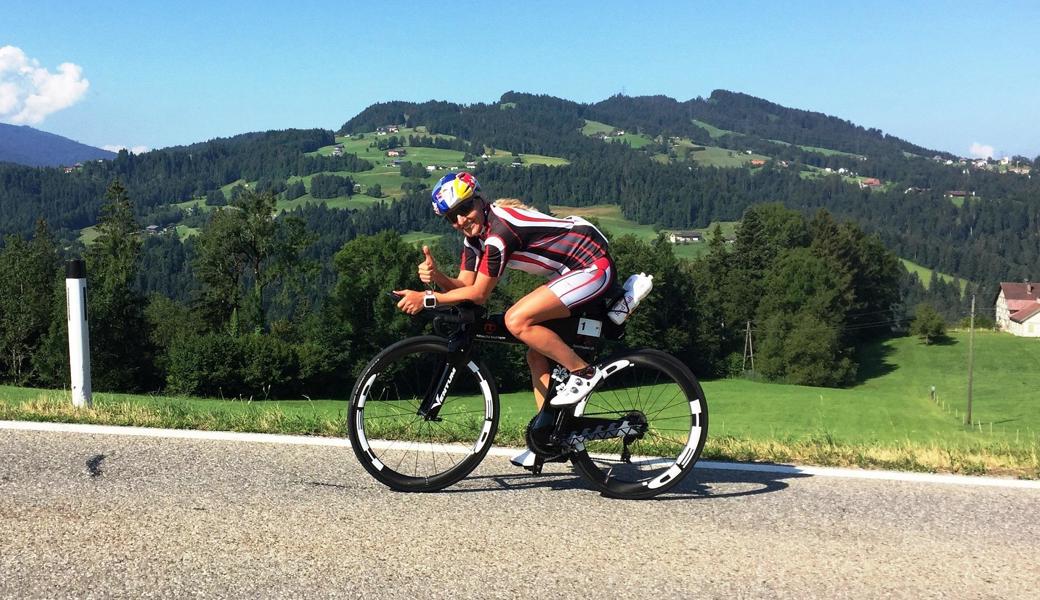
pixel 577 387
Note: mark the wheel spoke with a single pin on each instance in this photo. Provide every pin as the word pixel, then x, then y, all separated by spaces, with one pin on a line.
pixel 417 451
pixel 655 392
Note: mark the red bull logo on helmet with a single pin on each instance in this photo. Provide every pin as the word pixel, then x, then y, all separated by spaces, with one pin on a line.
pixel 452 189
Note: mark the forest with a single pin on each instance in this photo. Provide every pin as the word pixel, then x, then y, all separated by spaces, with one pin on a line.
pixel 258 316
pixel 264 302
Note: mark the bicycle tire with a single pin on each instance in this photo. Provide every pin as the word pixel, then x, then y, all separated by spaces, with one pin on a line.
pixel 665 392
pixel 397 446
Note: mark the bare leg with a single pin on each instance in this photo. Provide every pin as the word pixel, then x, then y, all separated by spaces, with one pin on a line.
pixel 539 366
pixel 522 321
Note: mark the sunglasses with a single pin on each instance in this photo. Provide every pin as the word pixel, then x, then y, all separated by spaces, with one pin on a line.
pixel 462 208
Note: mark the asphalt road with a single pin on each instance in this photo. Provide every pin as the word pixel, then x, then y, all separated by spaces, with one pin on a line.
pixel 112 516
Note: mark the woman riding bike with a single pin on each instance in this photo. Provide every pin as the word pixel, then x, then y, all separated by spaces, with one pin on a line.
pixel 571 252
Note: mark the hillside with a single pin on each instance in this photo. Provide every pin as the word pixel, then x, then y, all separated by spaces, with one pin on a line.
pixel 24 145
pixel 667 164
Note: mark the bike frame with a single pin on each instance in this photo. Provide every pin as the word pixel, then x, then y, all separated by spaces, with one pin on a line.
pixel 583 331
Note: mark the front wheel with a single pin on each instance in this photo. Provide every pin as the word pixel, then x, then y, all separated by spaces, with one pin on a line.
pixel 395 436
pixel 660 404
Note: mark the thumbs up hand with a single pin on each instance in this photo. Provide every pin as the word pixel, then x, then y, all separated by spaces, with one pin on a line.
pixel 428 267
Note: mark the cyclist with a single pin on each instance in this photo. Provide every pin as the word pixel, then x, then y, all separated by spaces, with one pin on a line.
pixel 571 252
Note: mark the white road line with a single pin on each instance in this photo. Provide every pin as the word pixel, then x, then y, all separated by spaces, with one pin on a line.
pixel 268 438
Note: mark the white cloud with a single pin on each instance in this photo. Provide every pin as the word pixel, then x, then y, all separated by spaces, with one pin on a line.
pixel 133 149
pixel 29 92
pixel 978 150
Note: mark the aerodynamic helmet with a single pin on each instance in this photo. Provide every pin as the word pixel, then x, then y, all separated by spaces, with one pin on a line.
pixel 452 190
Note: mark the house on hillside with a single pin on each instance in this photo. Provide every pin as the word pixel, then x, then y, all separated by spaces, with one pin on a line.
pixel 757 162
pixel 1018 309
pixel 870 182
pixel 396 152
pixel 684 237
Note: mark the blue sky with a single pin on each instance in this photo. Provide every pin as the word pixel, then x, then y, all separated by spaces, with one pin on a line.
pixel 945 75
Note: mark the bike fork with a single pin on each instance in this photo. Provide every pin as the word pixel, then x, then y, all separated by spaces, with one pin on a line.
pixel 437 392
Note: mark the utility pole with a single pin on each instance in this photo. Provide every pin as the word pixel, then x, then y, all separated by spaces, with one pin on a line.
pixel 751 346
pixel 749 349
pixel 971 359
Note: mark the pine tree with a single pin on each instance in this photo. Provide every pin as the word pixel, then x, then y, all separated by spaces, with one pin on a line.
pixel 242 253
pixel 28 272
pixel 121 351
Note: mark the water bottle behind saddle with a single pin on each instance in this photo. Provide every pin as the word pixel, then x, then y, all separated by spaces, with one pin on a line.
pixel 637 286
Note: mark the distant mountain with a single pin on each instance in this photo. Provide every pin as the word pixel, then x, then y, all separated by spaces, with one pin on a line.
pixel 744 121
pixel 750 116
pixel 24 145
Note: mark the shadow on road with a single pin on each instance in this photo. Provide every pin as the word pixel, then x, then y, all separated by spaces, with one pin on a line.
pixel 706 484
pixel 701 484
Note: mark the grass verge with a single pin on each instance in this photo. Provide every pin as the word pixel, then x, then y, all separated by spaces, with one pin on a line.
pixel 994 457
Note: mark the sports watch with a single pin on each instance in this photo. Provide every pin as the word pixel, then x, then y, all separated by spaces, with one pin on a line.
pixel 429 300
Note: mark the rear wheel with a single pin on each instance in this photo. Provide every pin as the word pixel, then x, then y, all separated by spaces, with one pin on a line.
pixel 400 447
pixel 657 400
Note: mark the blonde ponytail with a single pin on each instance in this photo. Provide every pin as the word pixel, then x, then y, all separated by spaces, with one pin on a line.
pixel 511 203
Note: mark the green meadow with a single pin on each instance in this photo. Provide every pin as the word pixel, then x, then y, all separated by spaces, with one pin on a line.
pixel 420 237
pixel 713 131
pixel 87 235
pixel 819 150
pixel 889 419
pixel 635 140
pixel 595 127
pixel 924 274
pixel 610 218
pixel 713 156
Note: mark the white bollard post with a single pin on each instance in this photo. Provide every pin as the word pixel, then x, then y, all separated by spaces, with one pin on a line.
pixel 79 336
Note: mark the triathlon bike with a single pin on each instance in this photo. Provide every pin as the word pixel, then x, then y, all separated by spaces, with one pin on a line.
pixel 425 411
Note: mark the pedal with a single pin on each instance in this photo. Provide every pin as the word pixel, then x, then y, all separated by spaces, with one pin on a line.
pixel 534 462
pixel 525 459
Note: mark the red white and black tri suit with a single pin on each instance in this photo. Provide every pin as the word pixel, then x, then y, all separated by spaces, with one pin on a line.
pixel 571 252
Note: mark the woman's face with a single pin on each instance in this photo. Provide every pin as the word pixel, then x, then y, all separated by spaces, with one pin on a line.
pixel 467 218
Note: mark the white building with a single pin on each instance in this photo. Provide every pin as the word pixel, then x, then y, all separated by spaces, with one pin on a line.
pixel 684 237
pixel 1018 309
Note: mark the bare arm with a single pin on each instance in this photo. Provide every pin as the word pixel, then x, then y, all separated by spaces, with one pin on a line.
pixel 446 283
pixel 479 291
